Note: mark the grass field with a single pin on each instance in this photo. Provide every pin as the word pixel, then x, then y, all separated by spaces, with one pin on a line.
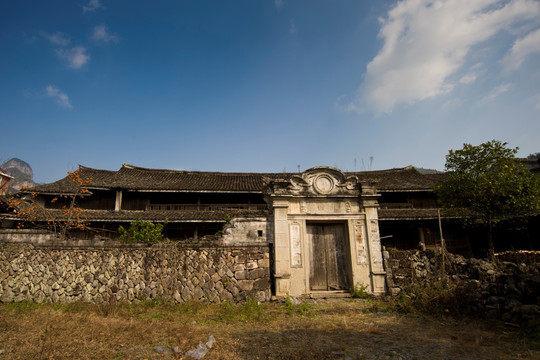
pixel 321 329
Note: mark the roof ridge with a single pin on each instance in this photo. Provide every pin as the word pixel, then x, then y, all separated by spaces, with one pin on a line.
pixel 82 167
pixel 133 167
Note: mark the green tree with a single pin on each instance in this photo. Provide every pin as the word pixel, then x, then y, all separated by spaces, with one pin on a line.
pixel 489 181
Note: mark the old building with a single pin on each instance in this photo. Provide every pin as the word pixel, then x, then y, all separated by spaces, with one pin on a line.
pixel 324 227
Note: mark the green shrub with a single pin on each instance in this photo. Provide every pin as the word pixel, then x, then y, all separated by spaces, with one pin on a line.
pixel 289 306
pixel 141 231
pixel 359 292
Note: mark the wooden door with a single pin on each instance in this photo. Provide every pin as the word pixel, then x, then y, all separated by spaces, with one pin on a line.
pixel 328 258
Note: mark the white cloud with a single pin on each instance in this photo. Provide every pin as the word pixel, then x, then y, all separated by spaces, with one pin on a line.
pixel 527 45
pixel 468 78
pixel 426 41
pixel 100 33
pixel 279 3
pixel 292 28
pixel 92 5
pixel 495 93
pixel 59 97
pixel 76 57
pixel 58 38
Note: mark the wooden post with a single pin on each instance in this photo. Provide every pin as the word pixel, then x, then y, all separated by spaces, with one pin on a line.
pixel 118 202
pixel 443 245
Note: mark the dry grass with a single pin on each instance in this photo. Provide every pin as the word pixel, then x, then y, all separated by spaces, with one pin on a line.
pixel 323 330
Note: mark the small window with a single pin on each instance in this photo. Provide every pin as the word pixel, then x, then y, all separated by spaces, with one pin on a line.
pixel 259 233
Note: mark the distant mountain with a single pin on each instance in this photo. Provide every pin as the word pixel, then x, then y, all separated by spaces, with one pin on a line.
pixel 21 171
pixel 427 171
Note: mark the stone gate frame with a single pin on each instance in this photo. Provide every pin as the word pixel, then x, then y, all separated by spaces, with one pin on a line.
pixel 323 195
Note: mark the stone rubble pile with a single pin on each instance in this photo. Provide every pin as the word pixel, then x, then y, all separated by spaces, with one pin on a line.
pixel 506 290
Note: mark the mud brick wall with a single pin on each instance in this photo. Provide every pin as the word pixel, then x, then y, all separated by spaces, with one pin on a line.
pixel 173 272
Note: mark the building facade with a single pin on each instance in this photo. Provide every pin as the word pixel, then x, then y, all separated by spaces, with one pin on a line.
pixel 325 228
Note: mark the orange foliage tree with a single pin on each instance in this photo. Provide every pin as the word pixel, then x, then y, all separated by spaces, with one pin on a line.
pixel 69 217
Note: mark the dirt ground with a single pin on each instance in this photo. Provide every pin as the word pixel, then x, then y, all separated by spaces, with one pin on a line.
pixel 321 329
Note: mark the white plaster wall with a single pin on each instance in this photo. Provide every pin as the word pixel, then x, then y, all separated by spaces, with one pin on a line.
pixel 245 230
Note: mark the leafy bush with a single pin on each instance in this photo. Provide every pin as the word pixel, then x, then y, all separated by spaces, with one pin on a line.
pixel 141 231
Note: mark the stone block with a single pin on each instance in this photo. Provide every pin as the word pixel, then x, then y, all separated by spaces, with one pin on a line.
pixel 198 293
pixel 263 263
pixel 238 267
pixel 245 285
pixel 216 277
pixel 252 265
pixel 225 295
pixel 261 284
pixel 257 273
pixel 241 275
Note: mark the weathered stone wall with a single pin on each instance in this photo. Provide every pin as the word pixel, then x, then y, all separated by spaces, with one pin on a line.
pixel 509 290
pixel 114 272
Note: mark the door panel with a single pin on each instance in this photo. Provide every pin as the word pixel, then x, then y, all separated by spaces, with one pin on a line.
pixel 328 261
pixel 317 276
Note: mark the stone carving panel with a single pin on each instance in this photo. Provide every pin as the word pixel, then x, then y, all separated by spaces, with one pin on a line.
pixel 323 181
pixel 361 254
pixel 376 244
pixel 296 245
pixel 323 184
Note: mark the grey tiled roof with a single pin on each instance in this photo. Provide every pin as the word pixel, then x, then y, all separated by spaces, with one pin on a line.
pixel 402 179
pixel 154 216
pixel 416 214
pixel 170 216
pixel 143 179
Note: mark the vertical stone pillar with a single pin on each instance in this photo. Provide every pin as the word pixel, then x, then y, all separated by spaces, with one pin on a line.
pixel 282 265
pixel 370 204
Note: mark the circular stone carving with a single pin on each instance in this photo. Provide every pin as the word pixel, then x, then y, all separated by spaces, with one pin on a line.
pixel 323 184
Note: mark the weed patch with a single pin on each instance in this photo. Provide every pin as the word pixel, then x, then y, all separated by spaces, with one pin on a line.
pixel 434 297
pixel 359 292
pixel 312 329
pixel 251 310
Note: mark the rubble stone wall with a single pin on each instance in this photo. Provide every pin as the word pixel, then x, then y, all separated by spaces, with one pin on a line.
pixel 508 290
pixel 112 272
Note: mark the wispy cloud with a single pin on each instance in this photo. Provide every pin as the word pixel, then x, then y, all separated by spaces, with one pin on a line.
pixel 279 3
pixel 58 38
pixel 536 101
pixel 495 93
pixel 100 33
pixel 76 57
pixel 427 41
pixel 292 28
pixel 524 47
pixel 92 5
pixel 59 97
pixel 468 78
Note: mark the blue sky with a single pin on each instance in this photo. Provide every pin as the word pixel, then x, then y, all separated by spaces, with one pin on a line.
pixel 264 86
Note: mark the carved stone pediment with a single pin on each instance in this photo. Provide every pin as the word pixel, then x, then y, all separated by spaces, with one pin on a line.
pixel 318 181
